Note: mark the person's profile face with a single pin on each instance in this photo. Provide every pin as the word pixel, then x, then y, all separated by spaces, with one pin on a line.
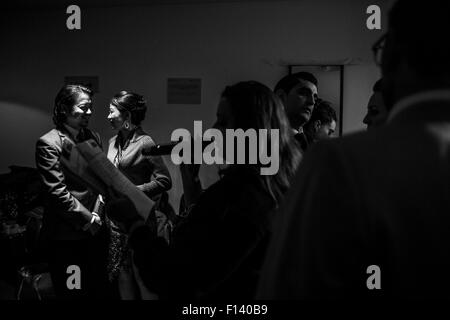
pixel 300 103
pixel 376 111
pixel 80 112
pixel 325 131
pixel 115 117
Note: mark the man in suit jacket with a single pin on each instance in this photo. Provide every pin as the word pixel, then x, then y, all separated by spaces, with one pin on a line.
pixel 369 214
pixel 298 92
pixel 72 227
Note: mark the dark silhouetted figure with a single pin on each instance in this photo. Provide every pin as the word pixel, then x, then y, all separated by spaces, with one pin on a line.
pixel 376 109
pixel 217 252
pixel 371 210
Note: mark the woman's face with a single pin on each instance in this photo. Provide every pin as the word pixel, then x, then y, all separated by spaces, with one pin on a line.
pixel 115 117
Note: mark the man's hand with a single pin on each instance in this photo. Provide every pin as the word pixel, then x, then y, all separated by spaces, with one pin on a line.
pixel 96 225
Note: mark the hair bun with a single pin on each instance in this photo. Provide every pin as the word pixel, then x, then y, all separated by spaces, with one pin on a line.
pixel 140 101
pixel 133 103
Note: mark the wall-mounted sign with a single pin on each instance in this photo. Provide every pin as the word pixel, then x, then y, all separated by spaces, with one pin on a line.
pixel 89 81
pixel 184 91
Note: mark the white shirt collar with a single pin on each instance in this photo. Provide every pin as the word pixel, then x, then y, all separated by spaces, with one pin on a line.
pixel 433 95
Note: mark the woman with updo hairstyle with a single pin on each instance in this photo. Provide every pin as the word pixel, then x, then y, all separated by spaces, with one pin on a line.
pixel 149 173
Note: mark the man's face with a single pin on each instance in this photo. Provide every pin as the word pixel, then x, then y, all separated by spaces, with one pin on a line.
pixel 300 103
pixel 80 112
pixel 376 111
pixel 325 131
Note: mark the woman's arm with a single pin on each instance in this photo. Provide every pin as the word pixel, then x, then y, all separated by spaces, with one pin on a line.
pixel 160 180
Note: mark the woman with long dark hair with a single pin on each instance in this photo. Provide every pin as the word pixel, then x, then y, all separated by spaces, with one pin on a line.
pixel 218 251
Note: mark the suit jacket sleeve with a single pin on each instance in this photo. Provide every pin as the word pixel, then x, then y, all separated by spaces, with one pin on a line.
pixel 98 139
pixel 64 203
pixel 318 239
pixel 160 179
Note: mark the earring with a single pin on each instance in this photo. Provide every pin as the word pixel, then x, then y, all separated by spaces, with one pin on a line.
pixel 127 125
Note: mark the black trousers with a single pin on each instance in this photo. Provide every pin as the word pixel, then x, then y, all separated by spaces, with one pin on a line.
pixel 89 255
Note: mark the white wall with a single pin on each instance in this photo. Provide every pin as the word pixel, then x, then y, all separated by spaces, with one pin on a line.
pixel 139 48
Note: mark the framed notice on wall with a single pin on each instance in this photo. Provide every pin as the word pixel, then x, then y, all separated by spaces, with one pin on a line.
pixel 184 91
pixel 330 80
